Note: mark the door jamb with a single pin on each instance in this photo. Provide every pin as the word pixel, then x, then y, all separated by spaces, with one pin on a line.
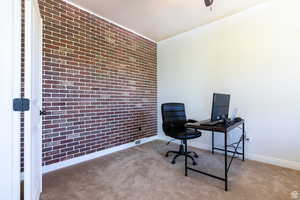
pixel 10 85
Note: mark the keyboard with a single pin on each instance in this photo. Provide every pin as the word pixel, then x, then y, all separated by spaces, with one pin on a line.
pixel 211 123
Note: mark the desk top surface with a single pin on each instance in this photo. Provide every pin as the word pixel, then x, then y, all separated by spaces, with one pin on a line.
pixel 218 127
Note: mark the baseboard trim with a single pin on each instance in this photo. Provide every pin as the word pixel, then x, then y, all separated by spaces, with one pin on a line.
pixel 259 158
pixel 74 161
pixel 275 161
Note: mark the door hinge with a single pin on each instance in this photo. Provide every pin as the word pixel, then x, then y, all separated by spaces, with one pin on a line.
pixel 43 112
pixel 21 104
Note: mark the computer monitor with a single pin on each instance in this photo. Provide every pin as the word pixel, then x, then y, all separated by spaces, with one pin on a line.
pixel 220 107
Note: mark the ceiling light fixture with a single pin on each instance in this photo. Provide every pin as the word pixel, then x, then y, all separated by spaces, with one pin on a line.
pixel 208 2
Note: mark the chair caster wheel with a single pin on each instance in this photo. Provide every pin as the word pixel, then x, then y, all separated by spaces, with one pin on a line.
pixel 173 162
pixel 194 163
pixel 166 155
pixel 196 156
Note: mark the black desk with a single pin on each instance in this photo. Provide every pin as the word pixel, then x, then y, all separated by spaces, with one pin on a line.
pixel 225 129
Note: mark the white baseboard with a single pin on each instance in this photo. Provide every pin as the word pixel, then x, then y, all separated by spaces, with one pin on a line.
pixel 74 161
pixel 259 158
pixel 275 161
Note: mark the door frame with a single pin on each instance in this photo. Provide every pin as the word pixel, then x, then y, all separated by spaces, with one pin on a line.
pixel 10 87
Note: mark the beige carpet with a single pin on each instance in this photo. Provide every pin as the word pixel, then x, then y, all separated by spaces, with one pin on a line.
pixel 143 173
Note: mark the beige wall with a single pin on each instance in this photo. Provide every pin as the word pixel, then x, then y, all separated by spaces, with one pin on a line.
pixel 254 56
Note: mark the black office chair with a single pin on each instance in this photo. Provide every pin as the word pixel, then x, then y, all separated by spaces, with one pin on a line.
pixel 174 120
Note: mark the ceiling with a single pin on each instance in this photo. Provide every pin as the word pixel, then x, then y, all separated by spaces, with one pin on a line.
pixel 160 19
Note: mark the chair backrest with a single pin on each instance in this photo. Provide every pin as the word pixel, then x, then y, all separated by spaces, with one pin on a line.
pixel 174 118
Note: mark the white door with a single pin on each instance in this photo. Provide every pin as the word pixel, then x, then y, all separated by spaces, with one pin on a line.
pixel 33 91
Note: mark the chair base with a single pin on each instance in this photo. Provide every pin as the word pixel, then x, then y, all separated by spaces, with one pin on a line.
pixel 182 153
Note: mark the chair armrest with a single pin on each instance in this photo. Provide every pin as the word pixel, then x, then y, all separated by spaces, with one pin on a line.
pixel 191 121
pixel 195 129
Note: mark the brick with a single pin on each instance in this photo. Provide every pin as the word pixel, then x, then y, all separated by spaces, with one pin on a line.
pixel 99 83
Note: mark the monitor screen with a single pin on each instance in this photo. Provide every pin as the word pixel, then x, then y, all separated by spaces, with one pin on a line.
pixel 220 107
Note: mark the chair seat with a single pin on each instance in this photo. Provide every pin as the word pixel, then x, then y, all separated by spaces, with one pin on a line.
pixel 187 134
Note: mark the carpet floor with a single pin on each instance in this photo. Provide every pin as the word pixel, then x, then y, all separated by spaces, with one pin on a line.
pixel 144 173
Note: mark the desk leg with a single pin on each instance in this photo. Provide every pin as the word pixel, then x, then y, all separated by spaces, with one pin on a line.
pixel 244 141
pixel 213 142
pixel 185 158
pixel 225 159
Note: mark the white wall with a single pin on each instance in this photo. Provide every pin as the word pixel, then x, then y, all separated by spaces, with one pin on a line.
pixel 255 57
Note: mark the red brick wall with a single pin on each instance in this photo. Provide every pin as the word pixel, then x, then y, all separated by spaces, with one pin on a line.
pixel 99 83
